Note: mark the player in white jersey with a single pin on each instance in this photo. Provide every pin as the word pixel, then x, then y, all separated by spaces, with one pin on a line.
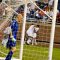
pixel 32 34
pixel 7 31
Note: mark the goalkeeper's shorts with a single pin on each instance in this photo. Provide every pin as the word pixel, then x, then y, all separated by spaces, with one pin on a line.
pixel 10 44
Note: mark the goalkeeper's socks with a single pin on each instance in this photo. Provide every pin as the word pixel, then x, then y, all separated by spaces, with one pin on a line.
pixel 9 56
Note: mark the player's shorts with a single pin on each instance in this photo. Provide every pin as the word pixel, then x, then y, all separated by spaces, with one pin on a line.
pixel 10 44
pixel 32 35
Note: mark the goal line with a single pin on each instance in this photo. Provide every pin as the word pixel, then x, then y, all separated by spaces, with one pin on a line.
pixel 1 58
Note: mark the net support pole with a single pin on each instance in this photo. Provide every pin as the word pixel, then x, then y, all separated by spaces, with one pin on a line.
pixel 53 30
pixel 23 31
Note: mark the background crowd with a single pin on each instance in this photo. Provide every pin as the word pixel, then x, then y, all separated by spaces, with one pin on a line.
pixel 34 12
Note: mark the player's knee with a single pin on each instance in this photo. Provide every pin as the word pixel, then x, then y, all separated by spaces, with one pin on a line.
pixel 13 49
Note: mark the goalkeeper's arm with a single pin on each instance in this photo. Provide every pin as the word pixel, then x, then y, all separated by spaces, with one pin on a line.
pixel 12 37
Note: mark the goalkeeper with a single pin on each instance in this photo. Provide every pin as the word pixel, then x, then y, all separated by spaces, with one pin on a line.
pixel 11 44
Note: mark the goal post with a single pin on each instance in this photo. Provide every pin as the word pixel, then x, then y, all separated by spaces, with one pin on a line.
pixel 45 37
pixel 53 30
pixel 23 30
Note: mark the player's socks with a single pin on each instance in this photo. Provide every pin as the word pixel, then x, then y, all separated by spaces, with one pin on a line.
pixel 9 56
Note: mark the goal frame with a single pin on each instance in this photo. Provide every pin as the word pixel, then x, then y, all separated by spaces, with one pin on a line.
pixel 52 30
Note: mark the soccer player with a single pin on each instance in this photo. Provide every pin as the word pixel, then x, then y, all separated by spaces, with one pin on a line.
pixel 32 34
pixel 11 44
pixel 6 33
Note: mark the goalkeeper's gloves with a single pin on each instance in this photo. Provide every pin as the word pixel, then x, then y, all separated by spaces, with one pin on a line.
pixel 13 39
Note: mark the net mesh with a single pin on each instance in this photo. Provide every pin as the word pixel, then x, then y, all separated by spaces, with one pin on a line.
pixel 39 51
pixel 30 52
pixel 7 16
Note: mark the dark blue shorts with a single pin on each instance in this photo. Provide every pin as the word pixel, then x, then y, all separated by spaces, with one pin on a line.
pixel 11 44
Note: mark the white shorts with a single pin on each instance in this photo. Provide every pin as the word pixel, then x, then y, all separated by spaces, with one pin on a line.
pixel 32 35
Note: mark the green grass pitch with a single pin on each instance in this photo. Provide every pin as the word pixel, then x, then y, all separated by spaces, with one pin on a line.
pixel 32 52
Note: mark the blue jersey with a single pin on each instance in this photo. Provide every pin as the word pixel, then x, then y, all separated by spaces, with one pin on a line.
pixel 14 27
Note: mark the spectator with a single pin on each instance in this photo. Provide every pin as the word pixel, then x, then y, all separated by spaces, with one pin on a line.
pixel 45 16
pixel 32 6
pixel 41 5
pixel 59 5
pixel 51 2
pixel 58 18
pixel 28 10
pixel 41 14
pixel 45 3
pixel 37 16
pixel 32 13
pixel 51 12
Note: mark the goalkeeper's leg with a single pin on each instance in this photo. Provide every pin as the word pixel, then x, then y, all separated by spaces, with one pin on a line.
pixel 9 56
pixel 11 45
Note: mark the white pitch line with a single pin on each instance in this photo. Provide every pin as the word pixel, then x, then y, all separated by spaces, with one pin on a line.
pixel 3 53
pixel 1 58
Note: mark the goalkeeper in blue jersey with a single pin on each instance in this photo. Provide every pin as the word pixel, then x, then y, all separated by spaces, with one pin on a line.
pixel 11 44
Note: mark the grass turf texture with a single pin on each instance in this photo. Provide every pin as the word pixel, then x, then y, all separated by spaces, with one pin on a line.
pixel 32 52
